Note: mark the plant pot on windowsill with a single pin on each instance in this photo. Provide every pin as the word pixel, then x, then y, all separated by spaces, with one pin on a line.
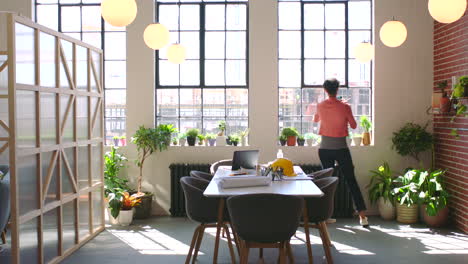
pixel 357 141
pixel 191 141
pixel 366 139
pixel 291 141
pixel 116 141
pixel 300 142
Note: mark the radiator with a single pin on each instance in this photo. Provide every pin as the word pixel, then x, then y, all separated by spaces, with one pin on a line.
pixel 343 200
pixel 179 170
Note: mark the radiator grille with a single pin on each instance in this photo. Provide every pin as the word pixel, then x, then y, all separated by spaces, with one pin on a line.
pixel 343 200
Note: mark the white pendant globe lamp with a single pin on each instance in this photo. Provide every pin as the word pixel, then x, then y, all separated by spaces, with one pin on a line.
pixel 156 36
pixel 176 53
pixel 446 11
pixel 119 13
pixel 393 33
pixel 364 52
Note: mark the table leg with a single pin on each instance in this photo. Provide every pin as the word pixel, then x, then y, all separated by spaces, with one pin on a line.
pixel 219 225
pixel 306 231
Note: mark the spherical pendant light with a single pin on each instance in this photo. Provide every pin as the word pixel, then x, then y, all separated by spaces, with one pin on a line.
pixel 393 33
pixel 119 13
pixel 447 11
pixel 156 36
pixel 364 52
pixel 176 53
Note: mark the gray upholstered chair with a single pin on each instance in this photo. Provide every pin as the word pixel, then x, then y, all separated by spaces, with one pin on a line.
pixel 4 201
pixel 201 175
pixel 265 220
pixel 320 209
pixel 203 210
pixel 214 167
pixel 321 174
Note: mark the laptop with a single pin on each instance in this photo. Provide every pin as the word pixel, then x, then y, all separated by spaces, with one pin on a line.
pixel 247 159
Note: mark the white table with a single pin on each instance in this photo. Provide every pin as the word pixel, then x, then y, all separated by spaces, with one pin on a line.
pixel 303 188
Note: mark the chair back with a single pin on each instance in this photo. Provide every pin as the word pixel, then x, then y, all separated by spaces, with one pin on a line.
pixel 201 175
pixel 265 218
pixel 214 167
pixel 198 207
pixel 322 174
pixel 321 209
pixel 4 197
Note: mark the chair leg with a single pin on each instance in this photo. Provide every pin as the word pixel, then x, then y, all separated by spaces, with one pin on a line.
pixel 326 245
pixel 231 249
pixel 192 244
pixel 245 253
pixel 289 251
pixel 327 234
pixel 236 240
pixel 260 253
pixel 307 234
pixel 201 232
pixel 282 253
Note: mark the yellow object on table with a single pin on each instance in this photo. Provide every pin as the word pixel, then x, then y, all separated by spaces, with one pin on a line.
pixel 285 164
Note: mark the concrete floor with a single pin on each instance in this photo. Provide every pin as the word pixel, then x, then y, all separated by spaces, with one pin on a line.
pixel 167 240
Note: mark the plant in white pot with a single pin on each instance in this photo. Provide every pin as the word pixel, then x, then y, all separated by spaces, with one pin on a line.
pixel 127 204
pixel 380 191
pixel 243 136
pixel 221 139
pixel 113 184
pixel 357 139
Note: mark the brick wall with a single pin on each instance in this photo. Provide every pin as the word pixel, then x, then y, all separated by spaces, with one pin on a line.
pixel 451 59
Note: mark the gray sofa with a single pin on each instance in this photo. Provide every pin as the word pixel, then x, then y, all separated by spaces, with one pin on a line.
pixel 4 198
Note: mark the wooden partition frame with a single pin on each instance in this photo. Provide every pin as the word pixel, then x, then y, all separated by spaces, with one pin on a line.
pixel 59 166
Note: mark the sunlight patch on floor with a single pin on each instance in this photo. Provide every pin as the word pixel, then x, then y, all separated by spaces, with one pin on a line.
pixel 435 243
pixel 149 241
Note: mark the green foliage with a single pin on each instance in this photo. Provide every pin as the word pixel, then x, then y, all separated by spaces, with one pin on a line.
pixel 365 123
pixel 234 138
pixel 210 136
pixel 181 135
pixel 115 201
pixel 289 131
pixel 244 133
pixel 407 191
pixel 381 184
pixel 116 137
pixel 165 132
pixel 432 192
pixel 442 85
pixel 282 138
pixel 300 137
pixel 222 125
pixel 192 133
pixel 460 90
pixel 113 163
pixel 411 140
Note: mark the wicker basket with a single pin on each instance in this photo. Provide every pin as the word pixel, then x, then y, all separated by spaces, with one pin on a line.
pixel 407 214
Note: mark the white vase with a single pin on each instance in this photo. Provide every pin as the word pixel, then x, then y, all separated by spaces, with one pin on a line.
pixel 357 141
pixel 386 209
pixel 110 218
pixel 125 217
pixel 243 141
pixel 310 142
pixel 182 141
pixel 220 141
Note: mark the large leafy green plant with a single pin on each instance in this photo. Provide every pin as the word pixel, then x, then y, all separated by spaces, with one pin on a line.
pixel 113 163
pixel 165 134
pixel 411 140
pixel 381 184
pixel 460 90
pixel 365 123
pixel 407 191
pixel 432 192
pixel 289 131
pixel 147 141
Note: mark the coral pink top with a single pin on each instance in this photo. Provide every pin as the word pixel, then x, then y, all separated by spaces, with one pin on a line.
pixel 334 116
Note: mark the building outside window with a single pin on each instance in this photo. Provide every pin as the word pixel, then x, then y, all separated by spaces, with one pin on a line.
pixel 81 19
pixel 212 84
pixel 316 41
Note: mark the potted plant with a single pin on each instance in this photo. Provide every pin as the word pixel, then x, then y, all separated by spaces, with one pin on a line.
pixel 127 205
pixel 444 101
pixel 201 138
pixel 182 138
pixel 113 184
pixel 459 95
pixel 116 140
pixel 411 140
pixel 433 198
pixel 312 139
pixel 175 141
pixel 300 140
pixel 407 195
pixel 357 139
pixel 380 191
pixel 165 132
pixel 282 139
pixel 147 141
pixel 290 133
pixel 234 139
pixel 211 138
pixel 367 126
pixel 243 136
pixel 192 136
pixel 221 127
pixel 123 140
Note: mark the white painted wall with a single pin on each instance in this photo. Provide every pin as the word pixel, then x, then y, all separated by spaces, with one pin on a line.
pixel 402 92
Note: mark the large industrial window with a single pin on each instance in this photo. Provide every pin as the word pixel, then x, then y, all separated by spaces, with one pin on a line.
pixel 82 20
pixel 316 39
pixel 212 84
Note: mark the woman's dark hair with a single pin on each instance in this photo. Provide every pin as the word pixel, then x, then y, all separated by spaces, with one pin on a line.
pixel 331 86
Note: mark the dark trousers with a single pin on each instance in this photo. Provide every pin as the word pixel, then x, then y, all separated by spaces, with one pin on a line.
pixel 343 156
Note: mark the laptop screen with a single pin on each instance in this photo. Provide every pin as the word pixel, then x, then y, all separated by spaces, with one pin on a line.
pixel 246 159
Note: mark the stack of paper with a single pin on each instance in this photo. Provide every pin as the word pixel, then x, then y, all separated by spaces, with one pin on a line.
pixel 242 181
